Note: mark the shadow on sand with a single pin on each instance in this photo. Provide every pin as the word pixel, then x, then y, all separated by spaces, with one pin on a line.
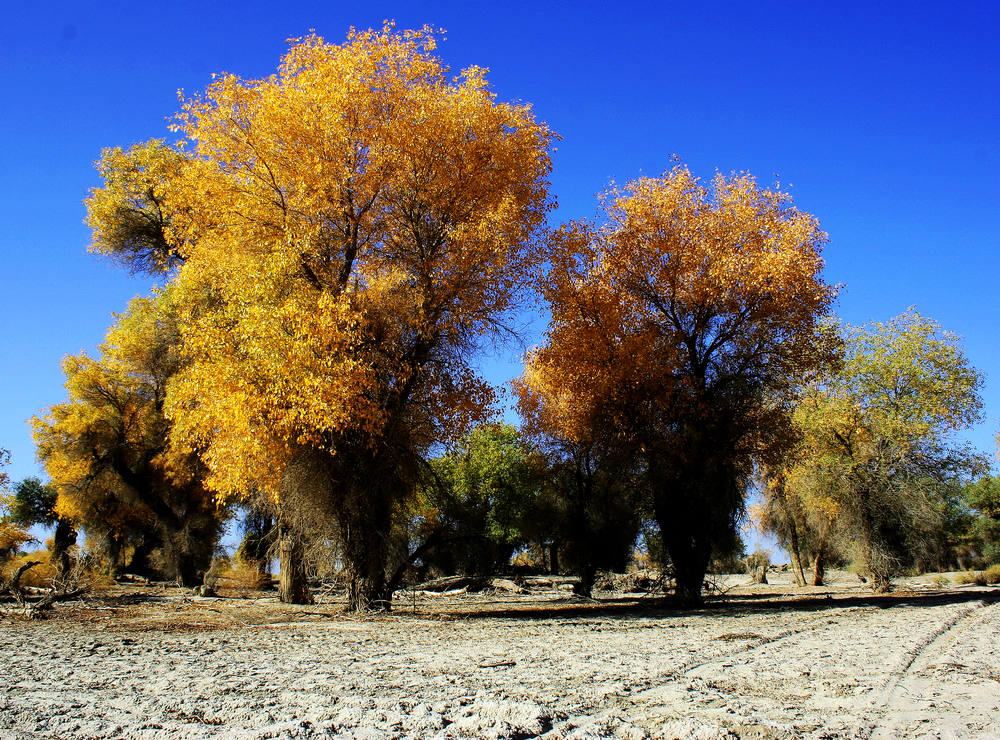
pixel 732 605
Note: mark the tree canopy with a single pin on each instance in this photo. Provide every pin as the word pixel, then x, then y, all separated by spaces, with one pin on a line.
pixel 346 233
pixel 877 436
pixel 680 322
pixel 108 453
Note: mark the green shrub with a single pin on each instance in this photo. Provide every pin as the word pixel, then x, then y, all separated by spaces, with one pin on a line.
pixel 993 574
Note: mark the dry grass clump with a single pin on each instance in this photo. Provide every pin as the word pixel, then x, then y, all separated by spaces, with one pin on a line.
pixel 977 577
pixel 990 576
pixel 237 578
pixel 993 574
pixel 940 580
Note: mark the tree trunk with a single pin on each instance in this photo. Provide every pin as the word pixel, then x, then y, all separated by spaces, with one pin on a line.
pixel 263 567
pixel 554 558
pixel 366 561
pixel 293 586
pixel 793 533
pixel 819 569
pixel 689 556
pixel 189 574
pixel 585 587
pixel 62 541
pixel 140 563
pixel 366 522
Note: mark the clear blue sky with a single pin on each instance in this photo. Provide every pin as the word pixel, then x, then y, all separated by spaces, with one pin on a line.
pixel 882 117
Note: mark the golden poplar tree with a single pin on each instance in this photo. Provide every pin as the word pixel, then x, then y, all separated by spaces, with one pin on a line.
pixel 108 454
pixel 679 323
pixel 349 230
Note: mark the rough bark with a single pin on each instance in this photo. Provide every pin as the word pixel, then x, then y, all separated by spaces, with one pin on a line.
pixel 293 585
pixel 365 520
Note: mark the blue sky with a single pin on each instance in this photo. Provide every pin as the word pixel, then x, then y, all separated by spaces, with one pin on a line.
pixel 881 119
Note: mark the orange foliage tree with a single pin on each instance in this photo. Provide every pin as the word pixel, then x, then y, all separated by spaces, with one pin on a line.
pixel 679 324
pixel 350 230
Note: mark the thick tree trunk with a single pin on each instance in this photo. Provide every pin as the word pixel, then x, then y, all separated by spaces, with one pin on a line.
pixel 689 556
pixel 293 585
pixel 189 574
pixel 141 562
pixel 365 556
pixel 366 522
pixel 554 558
pixel 585 587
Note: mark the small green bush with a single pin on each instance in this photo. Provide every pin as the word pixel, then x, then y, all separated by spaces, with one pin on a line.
pixel 993 574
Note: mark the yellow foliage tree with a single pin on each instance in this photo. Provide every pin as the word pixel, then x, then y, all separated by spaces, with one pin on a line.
pixel 108 454
pixel 351 229
pixel 132 214
pixel 679 323
pixel 877 441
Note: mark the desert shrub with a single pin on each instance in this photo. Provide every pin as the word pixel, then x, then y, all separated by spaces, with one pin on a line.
pixel 237 577
pixel 977 577
pixel 530 558
pixel 88 571
pixel 757 564
pixel 992 574
pixel 759 559
pixel 940 580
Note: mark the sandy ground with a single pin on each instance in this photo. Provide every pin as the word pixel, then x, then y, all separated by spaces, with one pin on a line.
pixel 767 662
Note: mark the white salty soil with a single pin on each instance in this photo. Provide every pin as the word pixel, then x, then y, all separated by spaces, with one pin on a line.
pixel 768 662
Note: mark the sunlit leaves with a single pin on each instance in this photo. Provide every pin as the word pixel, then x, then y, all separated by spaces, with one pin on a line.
pixel 133 217
pixel 685 293
pixel 357 224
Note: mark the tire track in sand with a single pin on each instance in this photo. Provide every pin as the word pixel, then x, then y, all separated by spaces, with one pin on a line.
pixel 659 688
pixel 895 699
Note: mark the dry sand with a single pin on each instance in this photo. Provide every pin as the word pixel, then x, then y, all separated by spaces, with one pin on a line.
pixel 768 662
